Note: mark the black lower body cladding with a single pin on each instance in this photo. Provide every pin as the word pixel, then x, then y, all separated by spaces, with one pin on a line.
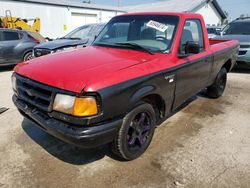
pixel 164 91
pixel 84 137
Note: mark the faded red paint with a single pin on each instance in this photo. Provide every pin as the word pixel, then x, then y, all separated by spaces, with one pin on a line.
pixel 93 68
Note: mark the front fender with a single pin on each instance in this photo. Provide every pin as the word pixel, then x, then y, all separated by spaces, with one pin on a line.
pixel 141 93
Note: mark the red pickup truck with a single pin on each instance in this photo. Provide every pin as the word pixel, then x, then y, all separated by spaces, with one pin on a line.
pixel 140 68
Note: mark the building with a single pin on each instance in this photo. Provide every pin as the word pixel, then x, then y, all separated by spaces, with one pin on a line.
pixel 209 9
pixel 59 17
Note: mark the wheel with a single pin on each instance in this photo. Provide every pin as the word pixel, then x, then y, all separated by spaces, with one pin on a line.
pixel 219 85
pixel 135 133
pixel 28 56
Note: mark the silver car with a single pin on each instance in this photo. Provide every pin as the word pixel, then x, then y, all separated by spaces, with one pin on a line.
pixel 80 37
pixel 239 29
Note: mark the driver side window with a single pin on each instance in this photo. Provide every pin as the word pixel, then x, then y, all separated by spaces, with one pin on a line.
pixel 192 32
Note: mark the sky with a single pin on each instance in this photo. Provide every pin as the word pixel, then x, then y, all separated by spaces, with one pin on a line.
pixel 234 7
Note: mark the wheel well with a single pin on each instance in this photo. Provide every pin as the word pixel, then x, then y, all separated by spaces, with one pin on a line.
pixel 228 65
pixel 158 104
pixel 25 53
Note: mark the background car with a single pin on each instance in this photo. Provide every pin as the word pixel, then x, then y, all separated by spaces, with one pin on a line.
pixel 82 36
pixel 17 45
pixel 239 29
pixel 213 31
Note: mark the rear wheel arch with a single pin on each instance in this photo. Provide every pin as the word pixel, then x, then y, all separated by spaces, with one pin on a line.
pixel 26 53
pixel 217 88
pixel 228 65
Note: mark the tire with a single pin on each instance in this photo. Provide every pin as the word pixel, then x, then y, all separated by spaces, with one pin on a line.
pixel 136 133
pixel 28 56
pixel 217 88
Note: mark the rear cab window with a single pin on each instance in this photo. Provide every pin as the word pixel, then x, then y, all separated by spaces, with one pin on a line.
pixel 95 30
pixel 192 32
pixel 118 32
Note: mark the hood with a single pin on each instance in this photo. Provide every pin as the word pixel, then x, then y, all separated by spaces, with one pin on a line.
pixel 73 70
pixel 240 38
pixel 60 43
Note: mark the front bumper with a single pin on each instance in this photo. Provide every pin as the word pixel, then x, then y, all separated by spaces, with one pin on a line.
pixel 85 137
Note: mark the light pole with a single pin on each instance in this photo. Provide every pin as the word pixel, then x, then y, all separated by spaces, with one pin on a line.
pixel 119 3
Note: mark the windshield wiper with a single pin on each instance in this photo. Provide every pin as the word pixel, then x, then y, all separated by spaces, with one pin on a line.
pixel 135 46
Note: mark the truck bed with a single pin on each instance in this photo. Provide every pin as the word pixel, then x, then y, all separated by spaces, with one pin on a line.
pixel 217 41
pixel 218 45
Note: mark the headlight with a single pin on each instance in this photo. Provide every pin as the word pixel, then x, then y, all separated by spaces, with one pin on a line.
pixel 76 106
pixel 13 81
pixel 64 49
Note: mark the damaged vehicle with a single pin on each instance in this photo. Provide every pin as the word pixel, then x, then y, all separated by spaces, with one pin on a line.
pixel 17 45
pixel 80 37
pixel 139 70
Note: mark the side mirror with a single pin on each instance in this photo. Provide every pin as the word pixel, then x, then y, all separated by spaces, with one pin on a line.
pixel 192 48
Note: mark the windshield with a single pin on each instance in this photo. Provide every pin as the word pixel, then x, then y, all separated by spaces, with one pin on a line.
pixel 152 32
pixel 237 28
pixel 84 32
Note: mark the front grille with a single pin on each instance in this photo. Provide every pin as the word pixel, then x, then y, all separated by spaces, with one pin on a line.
pixel 244 46
pixel 35 94
pixel 242 52
pixel 41 52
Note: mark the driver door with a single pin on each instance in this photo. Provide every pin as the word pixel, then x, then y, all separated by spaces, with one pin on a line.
pixel 194 72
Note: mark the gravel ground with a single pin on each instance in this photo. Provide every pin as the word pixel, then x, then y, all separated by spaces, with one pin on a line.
pixel 205 144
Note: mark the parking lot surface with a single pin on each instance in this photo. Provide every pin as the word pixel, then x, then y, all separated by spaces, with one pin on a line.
pixel 205 144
